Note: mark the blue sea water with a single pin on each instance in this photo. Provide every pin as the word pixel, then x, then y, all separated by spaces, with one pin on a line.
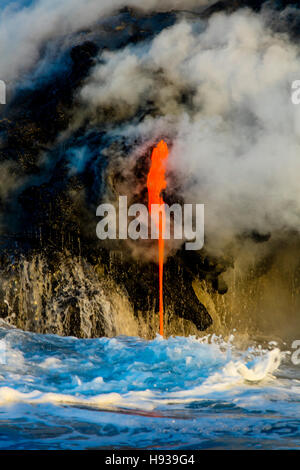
pixel 125 392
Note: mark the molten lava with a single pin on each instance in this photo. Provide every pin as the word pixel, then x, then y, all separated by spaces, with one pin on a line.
pixel 156 183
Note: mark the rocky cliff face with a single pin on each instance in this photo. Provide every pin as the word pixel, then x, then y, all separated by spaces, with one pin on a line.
pixel 58 162
pixel 55 276
pixel 103 295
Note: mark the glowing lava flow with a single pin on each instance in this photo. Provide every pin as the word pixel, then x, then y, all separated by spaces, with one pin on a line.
pixel 156 182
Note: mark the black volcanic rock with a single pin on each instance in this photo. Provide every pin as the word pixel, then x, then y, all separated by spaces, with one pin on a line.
pixel 230 6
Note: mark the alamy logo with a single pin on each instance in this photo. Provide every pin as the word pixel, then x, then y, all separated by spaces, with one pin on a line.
pixel 2 92
pixel 185 225
pixel 2 352
pixel 295 358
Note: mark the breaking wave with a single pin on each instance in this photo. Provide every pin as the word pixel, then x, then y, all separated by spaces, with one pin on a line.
pixel 145 394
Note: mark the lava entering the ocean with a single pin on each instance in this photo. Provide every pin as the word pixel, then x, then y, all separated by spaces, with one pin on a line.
pixel 156 183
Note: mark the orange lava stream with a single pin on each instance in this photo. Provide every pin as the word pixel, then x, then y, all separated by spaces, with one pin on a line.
pixel 156 183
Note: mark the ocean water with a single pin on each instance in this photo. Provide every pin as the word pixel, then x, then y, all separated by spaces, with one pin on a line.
pixel 125 392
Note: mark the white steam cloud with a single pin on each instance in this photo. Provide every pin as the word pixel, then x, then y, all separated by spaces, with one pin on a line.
pixel 25 29
pixel 236 137
pixel 236 140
